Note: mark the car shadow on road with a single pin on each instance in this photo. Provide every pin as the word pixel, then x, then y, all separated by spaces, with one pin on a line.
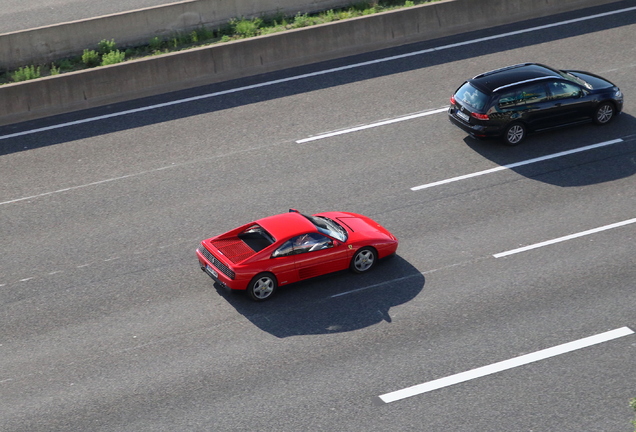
pixel 335 303
pixel 597 165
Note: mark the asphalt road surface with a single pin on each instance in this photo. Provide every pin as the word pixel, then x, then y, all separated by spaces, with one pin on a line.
pixel 108 324
pixel 16 15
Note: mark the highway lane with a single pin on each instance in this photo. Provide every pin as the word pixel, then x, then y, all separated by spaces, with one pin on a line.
pixel 17 15
pixel 109 325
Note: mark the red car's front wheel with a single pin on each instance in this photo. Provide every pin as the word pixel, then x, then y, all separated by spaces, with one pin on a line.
pixel 363 260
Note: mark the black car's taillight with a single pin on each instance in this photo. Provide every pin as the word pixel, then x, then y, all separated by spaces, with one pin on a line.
pixel 480 116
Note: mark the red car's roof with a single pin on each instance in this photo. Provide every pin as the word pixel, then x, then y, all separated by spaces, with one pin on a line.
pixel 286 225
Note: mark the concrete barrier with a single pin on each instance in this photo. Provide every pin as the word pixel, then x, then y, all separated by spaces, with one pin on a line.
pixel 50 43
pixel 170 72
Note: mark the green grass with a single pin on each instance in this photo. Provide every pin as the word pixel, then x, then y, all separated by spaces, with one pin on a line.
pixel 236 29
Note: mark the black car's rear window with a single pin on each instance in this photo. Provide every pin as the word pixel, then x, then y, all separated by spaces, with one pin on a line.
pixel 469 95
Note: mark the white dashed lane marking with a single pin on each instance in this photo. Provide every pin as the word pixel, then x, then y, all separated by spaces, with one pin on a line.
pixel 505 365
pixel 373 125
pixel 517 164
pixel 565 238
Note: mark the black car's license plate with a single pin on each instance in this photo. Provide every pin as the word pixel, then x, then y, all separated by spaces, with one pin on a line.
pixel 462 116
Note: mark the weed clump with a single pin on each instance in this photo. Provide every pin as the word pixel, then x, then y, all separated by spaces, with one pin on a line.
pixel 26 73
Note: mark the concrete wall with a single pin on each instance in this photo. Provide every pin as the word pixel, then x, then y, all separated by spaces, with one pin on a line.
pixel 155 75
pixel 46 44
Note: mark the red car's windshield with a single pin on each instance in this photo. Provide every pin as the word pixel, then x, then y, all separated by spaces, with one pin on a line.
pixel 329 227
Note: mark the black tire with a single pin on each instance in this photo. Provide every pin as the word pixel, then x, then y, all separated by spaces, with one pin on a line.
pixel 262 287
pixel 604 113
pixel 363 260
pixel 514 134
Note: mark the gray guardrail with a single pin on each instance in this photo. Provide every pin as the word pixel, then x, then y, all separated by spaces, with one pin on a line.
pixel 134 79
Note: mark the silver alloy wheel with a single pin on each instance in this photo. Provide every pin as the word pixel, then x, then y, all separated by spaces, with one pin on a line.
pixel 604 113
pixel 363 260
pixel 263 287
pixel 515 134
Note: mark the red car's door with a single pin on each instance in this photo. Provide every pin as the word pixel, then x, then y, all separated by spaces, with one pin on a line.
pixel 284 268
pixel 323 256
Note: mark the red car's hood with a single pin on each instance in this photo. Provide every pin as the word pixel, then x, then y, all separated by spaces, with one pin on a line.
pixel 362 225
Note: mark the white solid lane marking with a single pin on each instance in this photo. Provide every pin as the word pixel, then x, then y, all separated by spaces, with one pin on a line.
pixel 318 73
pixel 372 125
pixel 506 364
pixel 564 238
pixel 517 164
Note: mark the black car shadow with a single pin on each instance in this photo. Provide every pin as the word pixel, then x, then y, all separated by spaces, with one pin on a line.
pixel 335 303
pixel 579 168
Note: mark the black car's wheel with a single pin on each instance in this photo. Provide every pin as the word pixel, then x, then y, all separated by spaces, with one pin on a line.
pixel 363 260
pixel 604 113
pixel 262 287
pixel 514 134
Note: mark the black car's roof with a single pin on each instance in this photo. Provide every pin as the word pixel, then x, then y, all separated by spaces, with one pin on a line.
pixel 510 75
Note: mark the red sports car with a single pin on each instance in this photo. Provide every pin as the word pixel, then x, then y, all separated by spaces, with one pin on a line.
pixel 289 247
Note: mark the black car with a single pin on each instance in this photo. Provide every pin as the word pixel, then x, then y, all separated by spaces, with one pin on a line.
pixel 514 100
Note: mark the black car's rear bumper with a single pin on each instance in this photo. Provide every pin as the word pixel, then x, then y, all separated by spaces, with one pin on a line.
pixel 475 130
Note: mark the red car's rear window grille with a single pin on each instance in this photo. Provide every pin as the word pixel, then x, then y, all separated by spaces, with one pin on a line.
pixel 216 263
pixel 236 250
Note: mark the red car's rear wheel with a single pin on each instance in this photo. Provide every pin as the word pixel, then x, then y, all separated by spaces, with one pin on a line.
pixel 262 287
